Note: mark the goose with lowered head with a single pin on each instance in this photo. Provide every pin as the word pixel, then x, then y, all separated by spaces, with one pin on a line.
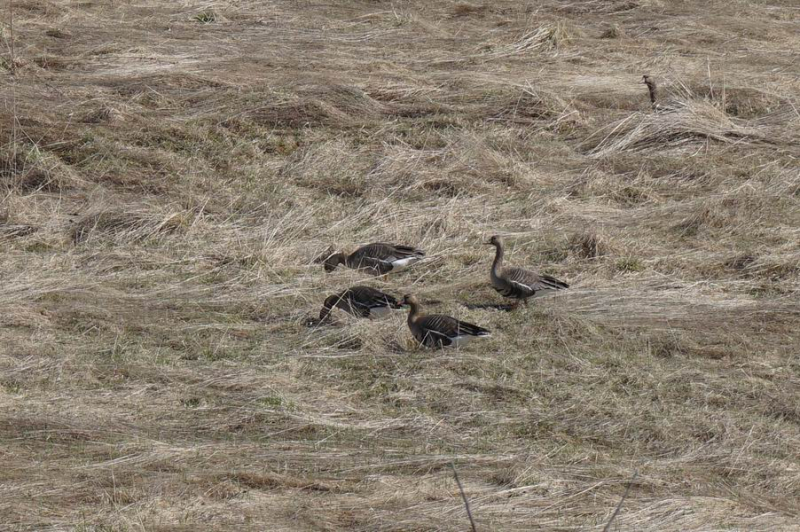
pixel 360 301
pixel 377 258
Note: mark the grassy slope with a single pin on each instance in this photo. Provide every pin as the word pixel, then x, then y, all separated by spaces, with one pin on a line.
pixel 168 184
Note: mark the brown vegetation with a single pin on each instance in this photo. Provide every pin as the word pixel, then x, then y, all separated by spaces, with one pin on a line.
pixel 171 171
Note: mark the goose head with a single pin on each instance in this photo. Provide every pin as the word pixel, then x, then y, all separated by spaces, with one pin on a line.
pixel 408 299
pixel 333 261
pixel 327 306
pixel 495 241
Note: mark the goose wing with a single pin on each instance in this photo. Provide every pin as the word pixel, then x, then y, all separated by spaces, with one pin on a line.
pixel 367 298
pixel 344 301
pixel 406 252
pixel 445 329
pixel 528 282
pixel 388 252
pixel 372 265
pixel 348 302
pixel 360 301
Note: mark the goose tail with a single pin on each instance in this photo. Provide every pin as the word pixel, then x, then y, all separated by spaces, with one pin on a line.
pixel 410 251
pixel 553 283
pixel 473 330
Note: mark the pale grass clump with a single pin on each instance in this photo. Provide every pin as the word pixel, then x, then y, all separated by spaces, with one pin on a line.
pixel 337 167
pixel 545 38
pixel 522 104
pixel 681 127
pixel 31 169
pixel 614 32
pixel 330 105
pixel 589 245
pixel 130 225
pixel 464 165
pixel 164 203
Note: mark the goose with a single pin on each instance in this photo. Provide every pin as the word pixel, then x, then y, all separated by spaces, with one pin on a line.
pixel 652 88
pixel 438 330
pixel 518 283
pixel 377 258
pixel 360 301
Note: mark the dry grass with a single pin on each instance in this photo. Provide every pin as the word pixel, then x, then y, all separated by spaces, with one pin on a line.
pixel 170 172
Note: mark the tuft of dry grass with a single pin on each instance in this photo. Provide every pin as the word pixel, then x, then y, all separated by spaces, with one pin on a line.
pixel 683 126
pixel 614 32
pixel 171 174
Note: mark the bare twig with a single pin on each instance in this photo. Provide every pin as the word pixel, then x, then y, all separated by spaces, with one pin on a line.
pixel 622 500
pixel 464 497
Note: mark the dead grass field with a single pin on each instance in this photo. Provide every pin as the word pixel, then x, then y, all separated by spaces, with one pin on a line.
pixel 169 172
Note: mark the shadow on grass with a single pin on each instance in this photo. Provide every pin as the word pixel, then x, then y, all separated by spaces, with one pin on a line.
pixel 505 307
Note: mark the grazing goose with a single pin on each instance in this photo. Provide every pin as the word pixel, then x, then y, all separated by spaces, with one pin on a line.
pixel 377 258
pixel 518 283
pixel 360 301
pixel 438 330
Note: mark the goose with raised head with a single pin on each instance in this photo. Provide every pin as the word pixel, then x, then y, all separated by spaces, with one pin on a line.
pixel 360 301
pixel 518 283
pixel 652 88
pixel 377 258
pixel 439 330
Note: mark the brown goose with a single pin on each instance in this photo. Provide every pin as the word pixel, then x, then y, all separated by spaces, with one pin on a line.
pixel 518 283
pixel 438 330
pixel 652 88
pixel 377 258
pixel 360 301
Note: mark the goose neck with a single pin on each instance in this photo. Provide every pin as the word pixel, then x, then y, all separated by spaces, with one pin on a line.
pixel 498 258
pixel 413 313
pixel 334 260
pixel 327 306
